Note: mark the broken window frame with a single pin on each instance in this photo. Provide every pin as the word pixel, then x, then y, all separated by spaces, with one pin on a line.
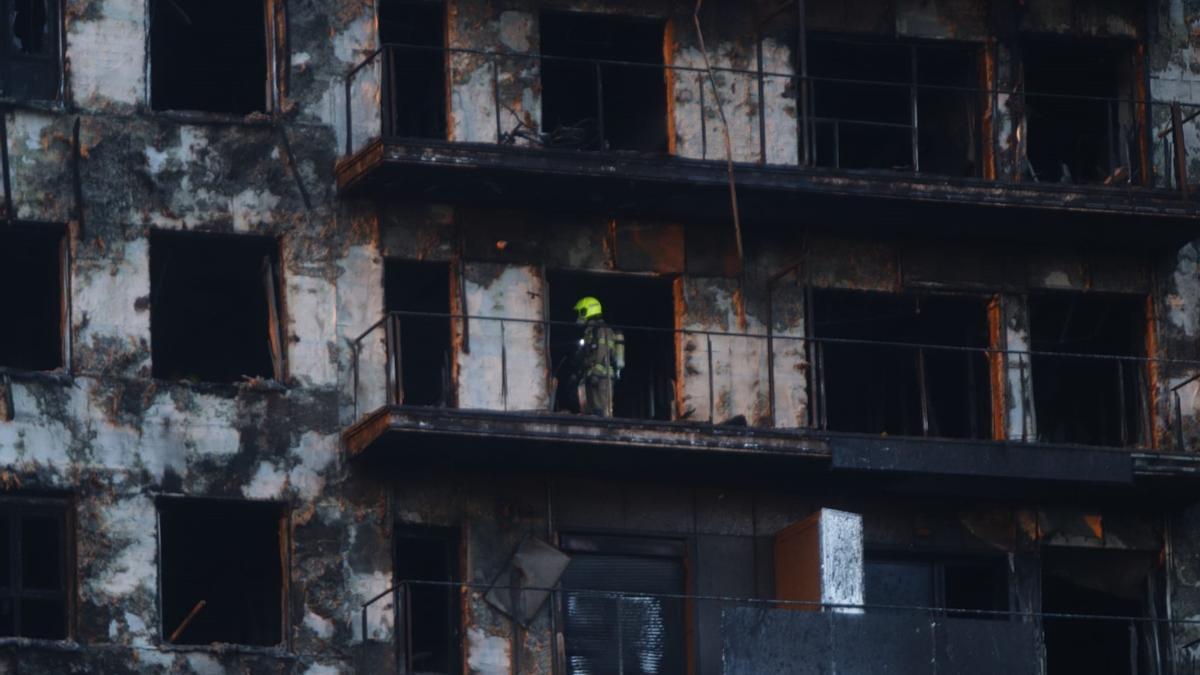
pixel 273 285
pixel 810 123
pixel 980 417
pixel 937 563
pixel 576 136
pixel 276 55
pixel 1137 430
pixel 14 509
pixel 45 68
pixel 1141 164
pixel 283 512
pixel 63 260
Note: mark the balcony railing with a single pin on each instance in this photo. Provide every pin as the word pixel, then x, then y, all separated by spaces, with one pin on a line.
pixel 740 634
pixel 804 383
pixel 879 125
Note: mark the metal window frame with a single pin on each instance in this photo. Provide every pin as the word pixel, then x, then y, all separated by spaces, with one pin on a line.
pixel 15 510
pixel 52 56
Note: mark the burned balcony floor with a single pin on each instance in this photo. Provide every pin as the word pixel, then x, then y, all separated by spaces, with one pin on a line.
pixel 402 439
pixel 681 188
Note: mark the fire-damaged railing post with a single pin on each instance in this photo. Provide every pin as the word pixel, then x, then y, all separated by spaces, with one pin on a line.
pixel 913 98
pixel 1180 149
pixel 495 63
pixel 395 370
pixel 388 117
pixel 349 116
pixel 600 105
pixel 1177 404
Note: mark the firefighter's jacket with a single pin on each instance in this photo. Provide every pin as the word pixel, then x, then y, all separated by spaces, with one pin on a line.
pixel 601 351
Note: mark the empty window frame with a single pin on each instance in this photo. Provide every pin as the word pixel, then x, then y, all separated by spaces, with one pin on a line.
pixel 945 583
pixel 414 33
pixel 419 293
pixel 915 105
pixel 29 51
pixel 1080 114
pixel 643 309
pixel 34 580
pixel 1077 583
pixel 222 566
pixel 215 307
pixel 637 632
pixel 932 388
pixel 209 55
pixel 32 260
pixel 1078 397
pixel 427 560
pixel 603 82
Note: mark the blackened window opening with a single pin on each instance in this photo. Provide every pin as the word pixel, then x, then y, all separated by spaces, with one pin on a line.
pixel 869 125
pixel 1092 401
pixel 29 60
pixel 610 106
pixel 211 300
pixel 31 262
pixel 902 390
pixel 416 66
pixel 1083 583
pixel 208 55
pixel 1078 130
pixel 414 290
pixel 945 583
pixel 33 569
pixel 643 308
pixel 637 632
pixel 229 555
pixel 430 554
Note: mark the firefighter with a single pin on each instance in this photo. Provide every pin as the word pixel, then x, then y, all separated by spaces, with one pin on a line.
pixel 599 359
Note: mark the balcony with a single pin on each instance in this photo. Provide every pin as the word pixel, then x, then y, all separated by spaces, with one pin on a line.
pixel 603 630
pixel 825 407
pixel 837 147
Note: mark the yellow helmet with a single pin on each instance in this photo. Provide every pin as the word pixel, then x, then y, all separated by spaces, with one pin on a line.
pixel 587 308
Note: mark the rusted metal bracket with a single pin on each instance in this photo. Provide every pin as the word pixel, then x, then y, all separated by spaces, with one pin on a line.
pixel 187 620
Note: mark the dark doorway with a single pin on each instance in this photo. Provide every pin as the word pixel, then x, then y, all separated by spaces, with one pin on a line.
pixel 418 290
pixel 636 632
pixel 430 555
pixel 865 93
pixel 415 32
pixel 31 272
pixel 1084 399
pixel 208 55
pixel 587 105
pixel 643 308
pixel 214 307
pixel 1113 584
pixel 228 555
pixel 1078 132
pixel 932 388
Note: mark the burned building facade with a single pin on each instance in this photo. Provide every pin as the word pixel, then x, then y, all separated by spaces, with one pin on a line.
pixel 909 293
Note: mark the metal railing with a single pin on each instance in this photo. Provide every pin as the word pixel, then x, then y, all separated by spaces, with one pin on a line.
pixel 1128 152
pixel 816 383
pixel 1148 642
